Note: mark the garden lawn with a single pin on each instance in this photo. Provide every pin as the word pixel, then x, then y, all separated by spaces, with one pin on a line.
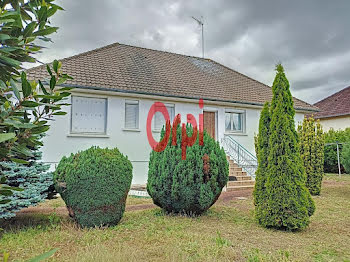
pixel 227 232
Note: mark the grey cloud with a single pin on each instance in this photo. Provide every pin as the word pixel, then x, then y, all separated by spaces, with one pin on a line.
pixel 311 38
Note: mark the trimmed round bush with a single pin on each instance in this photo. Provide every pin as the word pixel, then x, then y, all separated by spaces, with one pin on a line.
pixel 94 185
pixel 187 186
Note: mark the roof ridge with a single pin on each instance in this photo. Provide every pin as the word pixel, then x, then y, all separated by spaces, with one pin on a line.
pixel 332 95
pixel 74 56
pixel 255 80
pixel 162 51
pixel 115 44
pixel 239 73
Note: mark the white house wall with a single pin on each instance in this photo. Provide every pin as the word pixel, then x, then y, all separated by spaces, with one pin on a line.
pixel 336 123
pixel 60 142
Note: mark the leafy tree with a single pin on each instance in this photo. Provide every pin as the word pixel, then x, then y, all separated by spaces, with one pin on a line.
pixel 262 152
pixel 311 144
pixel 289 202
pixel 25 106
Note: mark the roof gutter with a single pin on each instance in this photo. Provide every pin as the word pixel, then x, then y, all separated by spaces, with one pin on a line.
pixel 332 116
pixel 175 96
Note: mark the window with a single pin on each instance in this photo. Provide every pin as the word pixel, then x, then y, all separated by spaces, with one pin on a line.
pixel 89 115
pixel 131 114
pixel 159 120
pixel 234 121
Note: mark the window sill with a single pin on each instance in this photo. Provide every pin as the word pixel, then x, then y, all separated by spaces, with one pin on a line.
pixel 88 135
pixel 235 134
pixel 131 130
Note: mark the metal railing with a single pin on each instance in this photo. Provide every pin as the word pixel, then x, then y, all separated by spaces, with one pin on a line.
pixel 240 155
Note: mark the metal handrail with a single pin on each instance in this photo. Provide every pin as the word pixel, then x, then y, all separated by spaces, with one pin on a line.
pixel 238 153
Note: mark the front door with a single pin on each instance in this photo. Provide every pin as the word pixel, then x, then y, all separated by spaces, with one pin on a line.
pixel 209 123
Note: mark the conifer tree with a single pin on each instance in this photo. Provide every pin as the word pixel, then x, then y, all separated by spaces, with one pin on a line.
pixel 289 203
pixel 187 186
pixel 262 152
pixel 34 180
pixel 312 153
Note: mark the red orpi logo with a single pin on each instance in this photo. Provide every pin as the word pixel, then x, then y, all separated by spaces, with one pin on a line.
pixel 187 141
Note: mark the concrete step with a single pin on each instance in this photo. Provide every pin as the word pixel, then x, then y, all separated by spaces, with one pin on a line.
pixel 240 183
pixel 241 178
pixel 232 178
pixel 235 168
pixel 238 188
pixel 233 165
pixel 238 173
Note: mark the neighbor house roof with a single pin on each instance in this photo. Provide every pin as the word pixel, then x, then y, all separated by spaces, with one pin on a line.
pixel 124 68
pixel 337 104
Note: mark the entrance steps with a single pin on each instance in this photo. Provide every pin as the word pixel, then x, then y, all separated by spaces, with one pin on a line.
pixel 238 179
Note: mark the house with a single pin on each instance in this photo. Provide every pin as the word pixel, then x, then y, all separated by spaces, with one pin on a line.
pixel 116 85
pixel 334 110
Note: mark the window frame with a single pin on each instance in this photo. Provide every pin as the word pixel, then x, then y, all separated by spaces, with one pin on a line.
pixel 132 102
pixel 243 121
pixel 154 129
pixel 71 132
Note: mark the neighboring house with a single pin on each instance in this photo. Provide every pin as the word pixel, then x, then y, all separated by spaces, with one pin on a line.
pixel 117 84
pixel 335 110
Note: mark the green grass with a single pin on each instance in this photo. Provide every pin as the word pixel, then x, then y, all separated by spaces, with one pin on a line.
pixel 227 232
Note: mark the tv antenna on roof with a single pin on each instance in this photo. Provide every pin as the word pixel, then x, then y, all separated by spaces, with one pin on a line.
pixel 201 23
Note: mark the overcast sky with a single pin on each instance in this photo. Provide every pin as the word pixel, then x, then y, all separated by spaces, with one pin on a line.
pixel 311 38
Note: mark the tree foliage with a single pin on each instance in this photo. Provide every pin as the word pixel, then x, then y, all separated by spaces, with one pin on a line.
pixel 330 149
pixel 345 157
pixel 262 153
pixel 188 186
pixel 26 106
pixel 23 22
pixel 288 203
pixel 311 144
pixel 94 185
pixel 34 180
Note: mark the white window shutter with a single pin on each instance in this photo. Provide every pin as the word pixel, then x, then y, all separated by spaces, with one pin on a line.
pixel 88 115
pixel 132 114
pixel 159 120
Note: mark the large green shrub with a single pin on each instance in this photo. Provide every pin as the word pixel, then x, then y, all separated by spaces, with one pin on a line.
pixel 330 149
pixel 262 152
pixel 311 146
pixel 187 186
pixel 289 203
pixel 94 185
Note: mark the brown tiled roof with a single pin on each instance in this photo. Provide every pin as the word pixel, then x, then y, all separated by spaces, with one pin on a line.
pixel 132 69
pixel 337 104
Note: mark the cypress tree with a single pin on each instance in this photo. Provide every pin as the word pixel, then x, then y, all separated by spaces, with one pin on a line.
pixel 312 153
pixel 319 159
pixel 289 202
pixel 262 152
